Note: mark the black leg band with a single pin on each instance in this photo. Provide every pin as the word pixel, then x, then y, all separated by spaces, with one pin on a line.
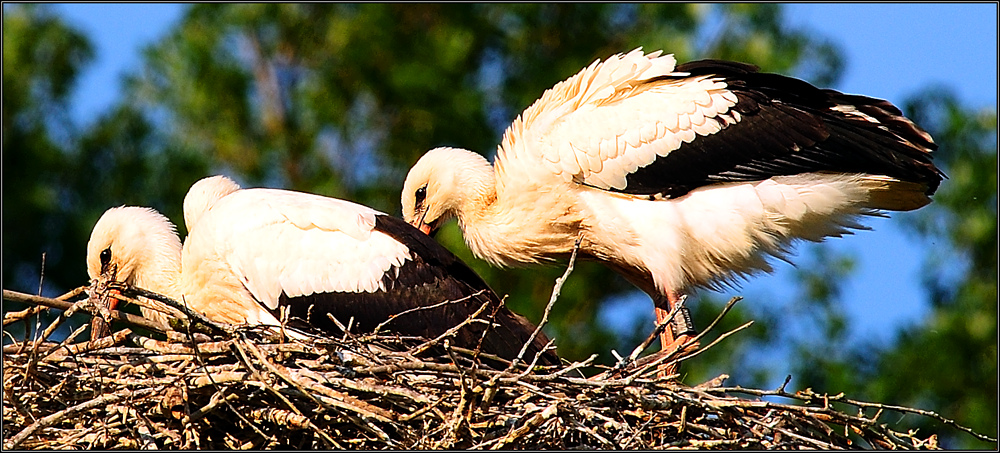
pixel 682 324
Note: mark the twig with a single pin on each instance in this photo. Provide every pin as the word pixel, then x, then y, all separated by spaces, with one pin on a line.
pixel 697 338
pixel 391 318
pixel 41 275
pixel 63 350
pixel 808 396
pixel 85 406
pixel 660 327
pixel 219 347
pixel 129 318
pixel 217 397
pixel 556 290
pixel 372 392
pixel 429 343
pixel 284 376
pixel 38 321
pixel 15 316
pixel 191 314
pixel 717 340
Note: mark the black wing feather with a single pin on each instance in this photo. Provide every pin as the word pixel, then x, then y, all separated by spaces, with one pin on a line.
pixel 789 127
pixel 434 275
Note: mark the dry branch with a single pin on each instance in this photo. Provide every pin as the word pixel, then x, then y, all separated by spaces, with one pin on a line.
pixel 248 388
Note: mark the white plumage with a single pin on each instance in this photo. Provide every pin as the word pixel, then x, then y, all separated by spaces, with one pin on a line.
pixel 250 252
pixel 203 194
pixel 676 177
pixel 267 241
pixel 292 236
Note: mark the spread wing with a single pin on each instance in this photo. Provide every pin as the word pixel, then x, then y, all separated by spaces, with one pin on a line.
pixel 663 133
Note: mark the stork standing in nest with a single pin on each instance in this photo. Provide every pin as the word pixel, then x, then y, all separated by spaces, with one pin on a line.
pixel 250 253
pixel 676 177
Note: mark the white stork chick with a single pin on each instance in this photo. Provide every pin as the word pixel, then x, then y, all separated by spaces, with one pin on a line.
pixel 255 251
pixel 676 177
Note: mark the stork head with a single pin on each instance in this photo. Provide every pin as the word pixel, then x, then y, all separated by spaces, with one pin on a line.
pixel 137 244
pixel 203 194
pixel 445 183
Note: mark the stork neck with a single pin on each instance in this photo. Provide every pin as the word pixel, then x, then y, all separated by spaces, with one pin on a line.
pixel 478 194
pixel 489 220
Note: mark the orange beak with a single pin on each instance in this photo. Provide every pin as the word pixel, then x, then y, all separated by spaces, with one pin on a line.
pixel 108 276
pixel 423 226
pixel 113 301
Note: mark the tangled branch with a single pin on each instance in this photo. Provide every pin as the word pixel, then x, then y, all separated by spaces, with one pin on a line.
pixel 239 387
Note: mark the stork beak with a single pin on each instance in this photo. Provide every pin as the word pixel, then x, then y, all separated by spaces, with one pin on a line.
pixel 425 227
pixel 112 300
pixel 107 277
pixel 99 324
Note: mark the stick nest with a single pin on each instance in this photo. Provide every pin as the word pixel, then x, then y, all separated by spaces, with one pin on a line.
pixel 252 389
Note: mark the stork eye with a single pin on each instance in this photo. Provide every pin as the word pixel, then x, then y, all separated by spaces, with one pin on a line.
pixel 105 257
pixel 419 196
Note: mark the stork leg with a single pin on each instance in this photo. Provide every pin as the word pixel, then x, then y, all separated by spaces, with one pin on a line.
pixel 679 332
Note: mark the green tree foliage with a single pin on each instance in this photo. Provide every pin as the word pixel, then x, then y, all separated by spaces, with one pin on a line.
pixel 42 58
pixel 948 361
pixel 57 179
pixel 341 99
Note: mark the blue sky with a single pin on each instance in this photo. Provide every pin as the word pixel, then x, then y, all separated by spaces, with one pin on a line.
pixel 892 51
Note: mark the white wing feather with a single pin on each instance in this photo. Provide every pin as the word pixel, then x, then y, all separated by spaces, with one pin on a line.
pixel 596 128
pixel 300 244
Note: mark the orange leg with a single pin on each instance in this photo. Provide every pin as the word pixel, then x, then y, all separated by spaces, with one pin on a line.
pixel 679 332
